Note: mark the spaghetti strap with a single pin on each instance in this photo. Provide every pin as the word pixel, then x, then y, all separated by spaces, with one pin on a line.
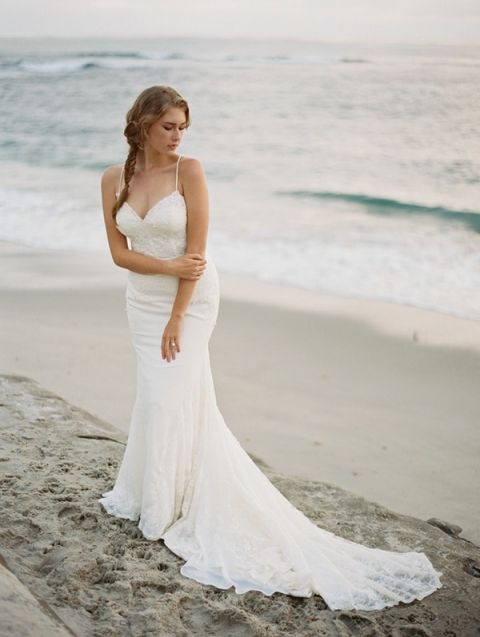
pixel 121 179
pixel 176 177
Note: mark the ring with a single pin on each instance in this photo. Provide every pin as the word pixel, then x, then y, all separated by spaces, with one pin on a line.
pixel 172 344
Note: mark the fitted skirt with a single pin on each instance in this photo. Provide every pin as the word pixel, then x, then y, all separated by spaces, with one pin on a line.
pixel 186 480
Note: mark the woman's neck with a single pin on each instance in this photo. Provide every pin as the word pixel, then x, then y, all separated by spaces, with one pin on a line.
pixel 148 160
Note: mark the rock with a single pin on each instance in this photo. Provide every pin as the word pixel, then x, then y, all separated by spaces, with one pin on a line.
pixel 22 615
pixel 104 579
pixel 472 568
pixel 447 527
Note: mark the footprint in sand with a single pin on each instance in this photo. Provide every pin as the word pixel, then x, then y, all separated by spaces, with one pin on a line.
pixel 68 510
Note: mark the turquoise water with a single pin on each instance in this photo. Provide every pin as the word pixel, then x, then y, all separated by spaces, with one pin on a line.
pixel 345 169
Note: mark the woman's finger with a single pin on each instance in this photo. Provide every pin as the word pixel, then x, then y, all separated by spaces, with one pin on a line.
pixel 170 347
pixel 163 347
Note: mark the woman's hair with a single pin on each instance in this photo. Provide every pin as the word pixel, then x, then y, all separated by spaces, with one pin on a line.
pixel 147 108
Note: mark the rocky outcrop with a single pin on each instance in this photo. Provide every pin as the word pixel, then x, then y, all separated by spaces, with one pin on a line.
pixel 76 570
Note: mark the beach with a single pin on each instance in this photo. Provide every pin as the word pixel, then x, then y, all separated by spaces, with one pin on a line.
pixel 345 228
pixel 72 570
pixel 376 398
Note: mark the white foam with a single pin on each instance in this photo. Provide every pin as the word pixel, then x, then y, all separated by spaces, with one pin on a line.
pixel 423 262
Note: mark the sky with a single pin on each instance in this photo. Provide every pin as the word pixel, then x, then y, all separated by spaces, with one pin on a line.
pixel 382 21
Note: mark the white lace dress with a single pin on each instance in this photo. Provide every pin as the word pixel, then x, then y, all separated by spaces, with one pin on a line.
pixel 187 480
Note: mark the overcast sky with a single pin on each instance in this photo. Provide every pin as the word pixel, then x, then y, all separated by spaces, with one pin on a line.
pixel 386 21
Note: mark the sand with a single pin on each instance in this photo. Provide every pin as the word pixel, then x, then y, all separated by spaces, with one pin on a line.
pixel 376 398
pixel 68 568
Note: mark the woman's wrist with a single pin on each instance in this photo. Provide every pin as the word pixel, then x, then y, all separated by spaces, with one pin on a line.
pixel 177 314
pixel 165 266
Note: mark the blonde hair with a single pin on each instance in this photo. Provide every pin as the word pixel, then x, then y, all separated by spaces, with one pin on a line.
pixel 148 107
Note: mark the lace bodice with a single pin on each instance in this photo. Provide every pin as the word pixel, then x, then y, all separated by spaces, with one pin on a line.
pixel 162 233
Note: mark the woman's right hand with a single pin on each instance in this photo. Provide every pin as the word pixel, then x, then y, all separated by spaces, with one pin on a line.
pixel 188 266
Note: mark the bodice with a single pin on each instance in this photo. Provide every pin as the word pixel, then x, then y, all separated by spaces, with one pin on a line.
pixel 162 232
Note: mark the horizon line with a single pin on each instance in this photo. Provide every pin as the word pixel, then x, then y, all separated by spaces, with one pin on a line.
pixel 240 37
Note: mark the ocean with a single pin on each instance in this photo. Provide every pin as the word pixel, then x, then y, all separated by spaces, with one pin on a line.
pixel 346 169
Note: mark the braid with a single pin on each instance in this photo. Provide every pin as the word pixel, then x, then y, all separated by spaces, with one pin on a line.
pixel 130 165
pixel 147 108
pixel 129 169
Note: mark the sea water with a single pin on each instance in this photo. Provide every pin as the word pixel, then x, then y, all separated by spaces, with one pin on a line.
pixel 347 169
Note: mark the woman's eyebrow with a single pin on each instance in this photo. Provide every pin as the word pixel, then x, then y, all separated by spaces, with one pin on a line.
pixel 173 123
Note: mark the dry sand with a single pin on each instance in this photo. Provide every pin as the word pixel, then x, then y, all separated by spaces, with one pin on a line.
pixel 74 570
pixel 357 393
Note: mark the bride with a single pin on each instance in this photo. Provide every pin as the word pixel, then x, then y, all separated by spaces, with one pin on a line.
pixel 184 476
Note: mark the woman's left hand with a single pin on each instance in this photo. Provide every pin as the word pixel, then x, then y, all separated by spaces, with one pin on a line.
pixel 171 338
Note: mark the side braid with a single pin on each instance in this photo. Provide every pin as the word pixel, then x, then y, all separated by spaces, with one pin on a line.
pixel 129 169
pixel 147 108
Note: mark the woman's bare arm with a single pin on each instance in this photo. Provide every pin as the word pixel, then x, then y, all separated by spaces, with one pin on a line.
pixel 190 266
pixel 121 253
pixel 196 197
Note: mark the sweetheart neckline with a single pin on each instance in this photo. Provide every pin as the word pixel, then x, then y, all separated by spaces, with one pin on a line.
pixel 154 205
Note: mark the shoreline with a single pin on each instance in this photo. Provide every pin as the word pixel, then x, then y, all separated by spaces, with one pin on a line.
pixel 428 327
pixel 94 270
pixel 314 393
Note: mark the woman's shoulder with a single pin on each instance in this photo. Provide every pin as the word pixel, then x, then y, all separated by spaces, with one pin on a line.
pixel 112 172
pixel 111 175
pixel 191 165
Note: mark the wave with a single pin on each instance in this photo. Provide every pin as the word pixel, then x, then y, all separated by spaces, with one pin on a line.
pixel 353 61
pixel 53 66
pixel 342 262
pixel 386 206
pixel 134 59
pixel 110 54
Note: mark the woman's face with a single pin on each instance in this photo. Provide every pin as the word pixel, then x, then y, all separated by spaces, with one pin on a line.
pixel 166 133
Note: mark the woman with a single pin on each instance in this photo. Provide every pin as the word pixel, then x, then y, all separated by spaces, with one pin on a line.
pixel 184 475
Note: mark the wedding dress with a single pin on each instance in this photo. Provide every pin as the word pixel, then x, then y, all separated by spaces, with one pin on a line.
pixel 189 482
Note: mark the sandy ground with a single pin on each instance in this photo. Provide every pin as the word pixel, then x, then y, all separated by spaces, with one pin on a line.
pixel 379 399
pixel 69 569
